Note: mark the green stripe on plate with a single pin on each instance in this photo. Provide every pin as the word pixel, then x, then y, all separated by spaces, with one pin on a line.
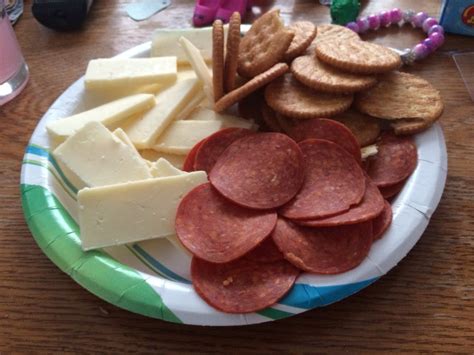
pixel 58 236
pixel 273 313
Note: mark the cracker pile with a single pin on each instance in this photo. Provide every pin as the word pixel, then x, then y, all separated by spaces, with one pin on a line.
pixel 301 71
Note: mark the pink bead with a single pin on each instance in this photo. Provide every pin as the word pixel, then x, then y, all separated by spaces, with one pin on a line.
pixel 428 23
pixel 363 24
pixel 437 38
pixel 374 22
pixel 420 51
pixel 396 15
pixel 436 28
pixel 429 44
pixel 384 18
pixel 353 26
pixel 419 18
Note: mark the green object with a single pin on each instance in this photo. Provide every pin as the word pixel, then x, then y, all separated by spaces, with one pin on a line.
pixel 344 11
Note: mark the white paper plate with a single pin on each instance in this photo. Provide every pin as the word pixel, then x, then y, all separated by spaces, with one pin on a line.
pixel 152 278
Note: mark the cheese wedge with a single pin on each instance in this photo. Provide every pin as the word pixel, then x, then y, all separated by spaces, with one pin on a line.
pixel 144 131
pixel 181 136
pixel 204 114
pixel 109 114
pixel 116 73
pixel 165 42
pixel 199 66
pixel 120 134
pixel 163 167
pixel 152 156
pixel 134 211
pixel 192 104
pixel 96 157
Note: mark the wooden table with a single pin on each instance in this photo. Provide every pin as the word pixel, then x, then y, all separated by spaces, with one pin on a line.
pixel 424 304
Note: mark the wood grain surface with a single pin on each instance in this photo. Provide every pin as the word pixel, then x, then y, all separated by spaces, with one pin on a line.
pixel 425 304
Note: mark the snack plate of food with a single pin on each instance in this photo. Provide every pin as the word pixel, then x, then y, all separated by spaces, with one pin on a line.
pixel 153 277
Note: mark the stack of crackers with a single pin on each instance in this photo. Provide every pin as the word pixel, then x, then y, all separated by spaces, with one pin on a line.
pixel 300 71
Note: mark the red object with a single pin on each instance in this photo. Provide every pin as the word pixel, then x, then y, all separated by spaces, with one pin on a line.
pixel 259 171
pixel 189 161
pixel 244 285
pixel 370 207
pixel 205 12
pixel 333 131
pixel 395 161
pixel 323 250
pixel 334 181
pixel 392 190
pixel 210 150
pixel 228 7
pixel 381 223
pixel 216 230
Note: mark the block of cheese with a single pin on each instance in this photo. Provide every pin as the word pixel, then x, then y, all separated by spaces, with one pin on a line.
pixel 192 105
pixel 181 136
pixel 165 42
pixel 134 211
pixel 109 114
pixel 122 72
pixel 203 114
pixel 199 66
pixel 169 103
pixel 152 156
pixel 120 134
pixel 163 167
pixel 96 157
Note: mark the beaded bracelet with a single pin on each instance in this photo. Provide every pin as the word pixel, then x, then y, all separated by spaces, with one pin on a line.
pixel 396 16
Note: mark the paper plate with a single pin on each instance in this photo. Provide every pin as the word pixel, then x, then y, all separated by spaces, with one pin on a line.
pixel 152 278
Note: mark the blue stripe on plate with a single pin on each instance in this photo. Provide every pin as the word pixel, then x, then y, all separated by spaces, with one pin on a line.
pixel 308 296
pixel 159 266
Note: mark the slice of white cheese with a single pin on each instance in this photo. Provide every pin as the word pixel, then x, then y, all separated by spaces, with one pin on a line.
pixel 199 66
pixel 163 167
pixel 109 114
pixel 169 103
pixel 120 134
pixel 131 212
pixel 191 105
pixel 203 114
pixel 165 42
pixel 152 156
pixel 96 158
pixel 181 136
pixel 122 72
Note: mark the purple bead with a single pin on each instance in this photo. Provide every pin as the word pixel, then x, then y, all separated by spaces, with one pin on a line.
pixel 385 18
pixel 429 44
pixel 418 19
pixel 437 38
pixel 436 28
pixel 428 23
pixel 353 26
pixel 396 15
pixel 420 51
pixel 363 24
pixel 374 22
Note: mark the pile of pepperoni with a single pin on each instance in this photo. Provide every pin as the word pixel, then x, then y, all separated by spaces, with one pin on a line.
pixel 277 204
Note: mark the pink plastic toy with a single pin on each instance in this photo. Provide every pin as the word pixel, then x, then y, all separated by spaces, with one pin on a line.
pixel 206 11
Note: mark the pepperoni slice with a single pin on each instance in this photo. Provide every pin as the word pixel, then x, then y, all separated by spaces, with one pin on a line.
pixel 210 150
pixel 266 251
pixel 330 130
pixel 382 221
pixel 216 230
pixel 370 207
pixel 189 161
pixel 323 250
pixel 243 285
pixel 334 182
pixel 391 190
pixel 395 161
pixel 259 171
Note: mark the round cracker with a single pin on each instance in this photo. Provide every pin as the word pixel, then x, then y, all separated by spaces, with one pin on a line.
pixel 264 45
pixel 366 129
pixel 330 32
pixel 290 98
pixel 358 56
pixel 402 96
pixel 305 32
pixel 232 53
pixel 218 59
pixel 250 86
pixel 319 76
